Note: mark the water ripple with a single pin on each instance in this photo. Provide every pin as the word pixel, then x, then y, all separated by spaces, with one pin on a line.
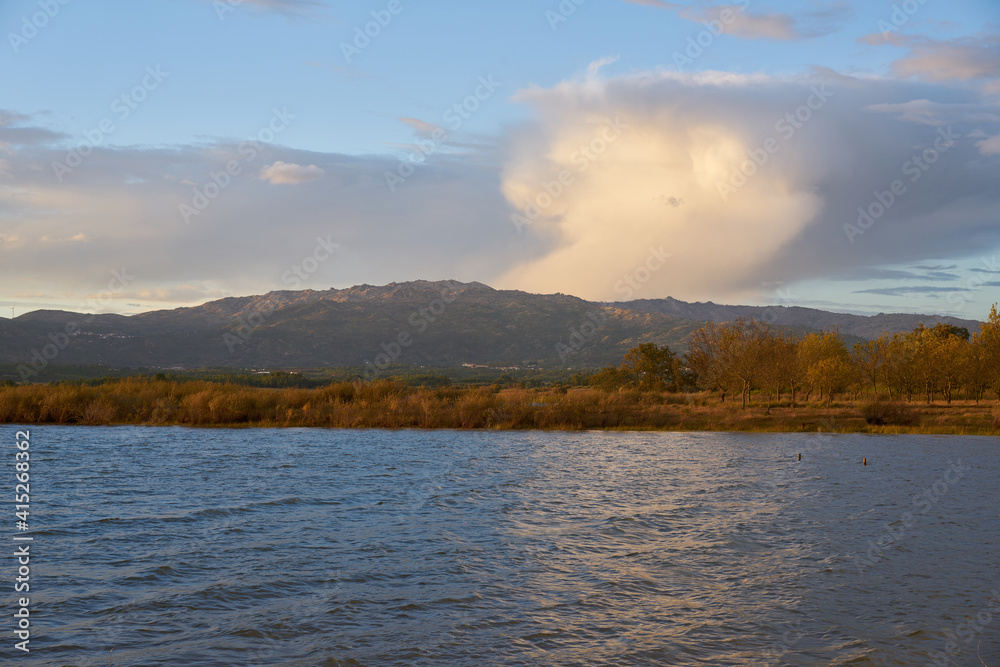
pixel 319 547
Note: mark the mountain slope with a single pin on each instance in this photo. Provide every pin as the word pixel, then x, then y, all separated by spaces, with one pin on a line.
pixel 860 326
pixel 428 323
pixel 423 323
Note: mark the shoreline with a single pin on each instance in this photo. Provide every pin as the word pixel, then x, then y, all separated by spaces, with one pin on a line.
pixel 249 427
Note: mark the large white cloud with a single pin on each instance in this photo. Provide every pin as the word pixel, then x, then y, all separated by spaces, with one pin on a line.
pixel 658 182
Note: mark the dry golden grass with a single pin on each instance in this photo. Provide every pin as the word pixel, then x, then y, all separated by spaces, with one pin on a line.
pixel 387 404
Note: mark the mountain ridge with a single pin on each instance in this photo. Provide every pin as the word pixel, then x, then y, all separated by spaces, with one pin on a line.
pixel 433 323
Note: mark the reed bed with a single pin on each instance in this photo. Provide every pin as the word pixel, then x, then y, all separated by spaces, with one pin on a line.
pixel 387 404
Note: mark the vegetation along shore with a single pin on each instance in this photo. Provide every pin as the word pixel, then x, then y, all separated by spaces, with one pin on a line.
pixel 739 376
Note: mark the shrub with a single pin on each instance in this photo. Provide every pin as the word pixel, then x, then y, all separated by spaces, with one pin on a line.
pixel 881 412
pixel 996 417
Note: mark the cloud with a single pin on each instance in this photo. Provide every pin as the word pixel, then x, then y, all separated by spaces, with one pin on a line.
pixel 656 3
pixel 904 291
pixel 423 128
pixel 16 131
pixel 937 113
pixel 625 171
pixel 447 221
pixel 959 59
pixel 990 146
pixel 284 6
pixel 927 273
pixel 75 238
pixel 594 68
pixel 283 173
pixel 598 217
pixel 937 267
pixel 736 18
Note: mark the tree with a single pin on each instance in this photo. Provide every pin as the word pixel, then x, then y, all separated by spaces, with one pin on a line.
pixel 652 368
pixel 989 339
pixel 950 352
pixel 645 367
pixel 780 367
pixel 745 344
pixel 608 379
pixel 870 358
pixel 826 362
pixel 733 356
pixel 937 356
pixel 901 366
pixel 973 369
pixel 706 358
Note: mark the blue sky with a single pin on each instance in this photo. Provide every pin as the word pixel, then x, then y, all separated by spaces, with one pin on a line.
pixel 200 78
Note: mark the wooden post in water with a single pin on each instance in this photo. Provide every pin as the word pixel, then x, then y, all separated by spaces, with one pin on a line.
pixel 864 461
pixel 800 457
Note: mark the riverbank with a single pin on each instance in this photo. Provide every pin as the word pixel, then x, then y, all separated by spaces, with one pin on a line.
pixel 393 405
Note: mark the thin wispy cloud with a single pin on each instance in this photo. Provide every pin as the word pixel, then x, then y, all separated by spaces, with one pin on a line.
pixel 906 290
pixel 741 20
pixel 961 58
pixel 898 274
pixel 287 7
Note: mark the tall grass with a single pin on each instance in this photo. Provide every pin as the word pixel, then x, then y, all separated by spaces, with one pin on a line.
pixel 387 404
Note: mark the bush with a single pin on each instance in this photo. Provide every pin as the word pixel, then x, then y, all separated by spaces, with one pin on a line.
pixel 881 412
pixel 996 417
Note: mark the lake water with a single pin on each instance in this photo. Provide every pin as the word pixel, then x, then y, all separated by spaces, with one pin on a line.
pixel 312 547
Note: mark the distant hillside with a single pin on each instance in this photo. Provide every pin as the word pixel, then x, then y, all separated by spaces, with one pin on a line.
pixel 859 326
pixel 430 323
pixel 420 323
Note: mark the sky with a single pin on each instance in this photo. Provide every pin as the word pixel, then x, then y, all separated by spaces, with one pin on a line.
pixel 836 154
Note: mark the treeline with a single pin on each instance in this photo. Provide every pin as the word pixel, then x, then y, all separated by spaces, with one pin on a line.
pixel 747 356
